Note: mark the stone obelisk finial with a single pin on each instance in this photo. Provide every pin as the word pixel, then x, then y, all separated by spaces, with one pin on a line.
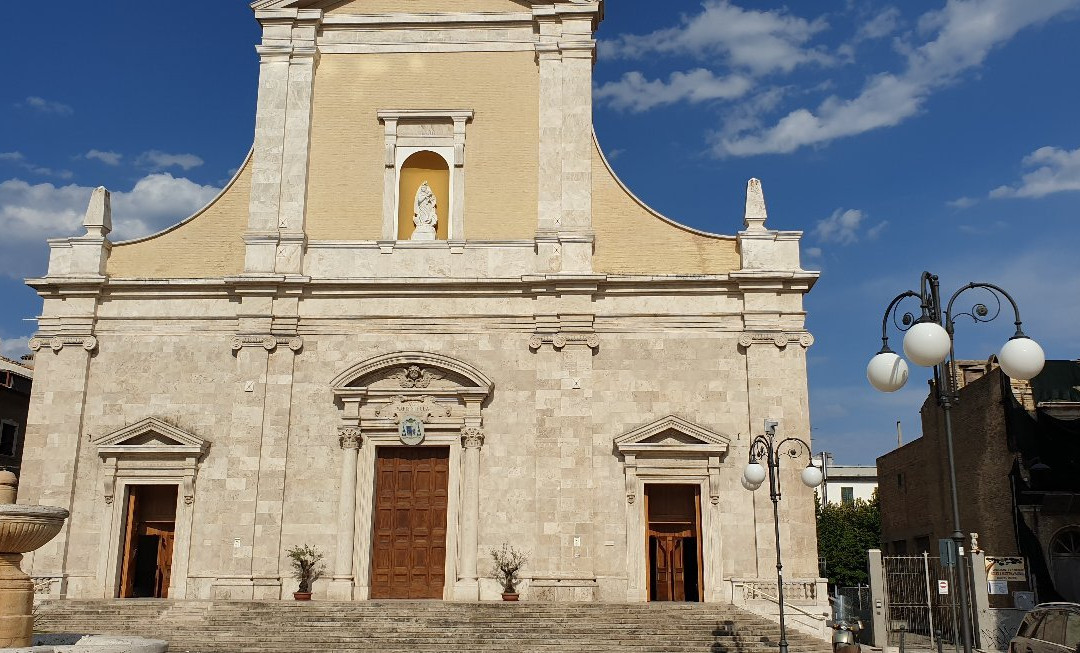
pixel 754 216
pixel 98 219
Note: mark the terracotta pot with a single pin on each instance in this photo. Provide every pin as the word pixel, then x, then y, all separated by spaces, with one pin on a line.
pixel 510 596
pixel 302 596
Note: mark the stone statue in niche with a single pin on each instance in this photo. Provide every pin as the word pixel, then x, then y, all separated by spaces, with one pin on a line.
pixel 424 216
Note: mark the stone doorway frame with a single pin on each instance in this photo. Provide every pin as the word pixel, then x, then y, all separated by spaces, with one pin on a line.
pixel 133 456
pixel 690 455
pixel 369 417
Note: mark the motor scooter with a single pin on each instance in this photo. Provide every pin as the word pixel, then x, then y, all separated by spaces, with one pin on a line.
pixel 844 633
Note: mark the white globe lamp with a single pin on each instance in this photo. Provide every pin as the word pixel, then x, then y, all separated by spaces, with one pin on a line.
pixel 927 344
pixel 811 476
pixel 887 372
pixel 1022 358
pixel 747 485
pixel 754 474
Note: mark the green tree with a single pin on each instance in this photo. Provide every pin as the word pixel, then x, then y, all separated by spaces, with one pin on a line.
pixel 845 533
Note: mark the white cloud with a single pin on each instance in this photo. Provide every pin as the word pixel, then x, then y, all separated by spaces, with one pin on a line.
pixel 962 202
pixel 840 227
pixel 108 158
pixel 1055 170
pixel 615 153
pixel 14 348
pixel 965 31
pixel 635 93
pixel 48 106
pixel 757 41
pixel 30 213
pixel 161 160
pixel 813 252
pixel 883 24
pixel 20 160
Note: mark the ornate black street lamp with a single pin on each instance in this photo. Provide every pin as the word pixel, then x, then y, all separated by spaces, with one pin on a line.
pixel 767 448
pixel 928 342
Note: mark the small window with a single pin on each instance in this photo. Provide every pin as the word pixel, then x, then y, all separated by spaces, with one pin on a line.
pixel 900 481
pixel 8 435
pixel 1052 628
pixel 847 495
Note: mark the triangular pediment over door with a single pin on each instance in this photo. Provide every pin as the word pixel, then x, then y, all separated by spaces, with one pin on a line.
pixel 151 449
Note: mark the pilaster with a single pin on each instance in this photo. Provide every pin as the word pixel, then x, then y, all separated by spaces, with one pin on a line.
pixel 288 56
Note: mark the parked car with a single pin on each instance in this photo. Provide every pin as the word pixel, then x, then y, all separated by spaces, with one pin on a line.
pixel 1049 628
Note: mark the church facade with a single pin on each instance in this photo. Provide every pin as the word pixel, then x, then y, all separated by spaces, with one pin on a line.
pixel 423 320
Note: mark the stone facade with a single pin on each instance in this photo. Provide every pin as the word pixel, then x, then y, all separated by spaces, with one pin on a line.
pixel 567 344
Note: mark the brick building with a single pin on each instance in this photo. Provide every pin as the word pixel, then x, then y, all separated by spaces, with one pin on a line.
pixel 1017 447
pixel 15 381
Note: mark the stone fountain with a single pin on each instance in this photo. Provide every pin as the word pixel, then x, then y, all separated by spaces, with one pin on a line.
pixel 22 529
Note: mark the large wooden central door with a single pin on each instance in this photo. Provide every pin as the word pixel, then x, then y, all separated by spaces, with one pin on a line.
pixel 409 547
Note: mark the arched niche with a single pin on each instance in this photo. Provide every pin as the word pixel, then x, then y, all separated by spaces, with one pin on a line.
pixel 419 168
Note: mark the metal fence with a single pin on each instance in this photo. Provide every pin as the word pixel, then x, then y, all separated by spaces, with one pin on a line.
pixel 918 604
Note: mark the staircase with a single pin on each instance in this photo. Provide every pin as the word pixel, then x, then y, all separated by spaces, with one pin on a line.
pixel 424 626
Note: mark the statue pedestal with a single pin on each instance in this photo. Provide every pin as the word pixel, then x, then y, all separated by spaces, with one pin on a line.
pixel 16 603
pixel 423 233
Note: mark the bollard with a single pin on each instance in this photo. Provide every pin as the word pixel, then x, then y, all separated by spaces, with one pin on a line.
pixel 937 634
pixel 903 631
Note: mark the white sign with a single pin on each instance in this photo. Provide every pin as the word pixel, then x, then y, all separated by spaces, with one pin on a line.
pixel 943 587
pixel 1000 568
pixel 997 587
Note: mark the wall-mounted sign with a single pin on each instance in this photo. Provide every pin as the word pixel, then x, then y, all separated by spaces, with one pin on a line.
pixel 1001 568
pixel 997 587
pixel 411 431
pixel 943 587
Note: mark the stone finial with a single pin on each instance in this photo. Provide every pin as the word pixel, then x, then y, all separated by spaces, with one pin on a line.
pixel 8 484
pixel 755 215
pixel 98 219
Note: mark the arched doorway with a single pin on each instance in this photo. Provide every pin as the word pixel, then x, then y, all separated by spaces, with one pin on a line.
pixel 1065 563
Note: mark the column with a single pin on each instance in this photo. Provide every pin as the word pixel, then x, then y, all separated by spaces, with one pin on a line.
pixel 341 585
pixel 468 587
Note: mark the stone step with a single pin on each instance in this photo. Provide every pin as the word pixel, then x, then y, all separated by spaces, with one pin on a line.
pixel 423 626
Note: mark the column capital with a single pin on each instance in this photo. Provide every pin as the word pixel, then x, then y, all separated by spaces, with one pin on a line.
pixel 349 437
pixel 472 437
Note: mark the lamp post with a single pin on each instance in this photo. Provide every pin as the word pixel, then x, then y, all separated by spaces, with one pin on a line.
pixel 928 342
pixel 766 447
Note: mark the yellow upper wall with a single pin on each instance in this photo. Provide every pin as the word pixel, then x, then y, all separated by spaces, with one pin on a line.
pixel 425 6
pixel 208 244
pixel 631 238
pixel 345 177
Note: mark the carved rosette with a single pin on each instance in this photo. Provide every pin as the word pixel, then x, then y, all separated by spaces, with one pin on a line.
pixel 472 437
pixel 56 343
pixel 267 342
pixel 780 339
pixel 349 437
pixel 560 340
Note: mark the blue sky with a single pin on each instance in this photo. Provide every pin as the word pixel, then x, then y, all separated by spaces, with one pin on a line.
pixel 936 135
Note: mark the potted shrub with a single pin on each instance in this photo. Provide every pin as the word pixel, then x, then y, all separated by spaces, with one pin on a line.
pixel 307 568
pixel 508 561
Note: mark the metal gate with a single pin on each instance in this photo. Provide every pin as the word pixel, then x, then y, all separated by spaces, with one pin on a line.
pixel 915 604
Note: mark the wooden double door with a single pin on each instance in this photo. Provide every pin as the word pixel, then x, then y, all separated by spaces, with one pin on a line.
pixel 674 541
pixel 409 543
pixel 149 536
